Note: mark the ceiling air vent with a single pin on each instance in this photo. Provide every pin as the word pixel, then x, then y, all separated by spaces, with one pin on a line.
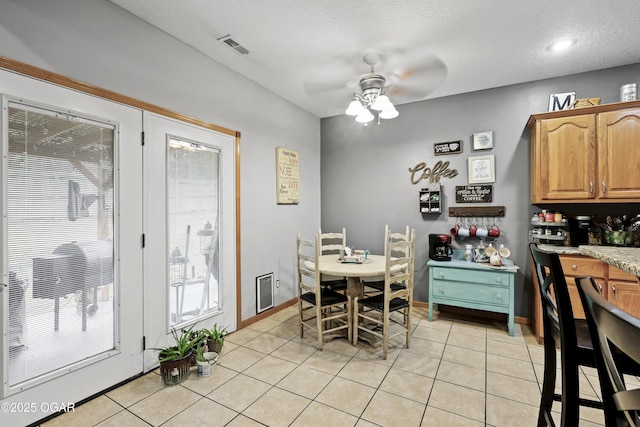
pixel 233 44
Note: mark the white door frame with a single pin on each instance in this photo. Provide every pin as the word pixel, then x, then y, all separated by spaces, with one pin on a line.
pixel 156 323
pixel 85 378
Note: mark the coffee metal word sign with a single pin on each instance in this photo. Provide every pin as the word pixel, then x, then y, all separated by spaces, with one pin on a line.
pixel 453 147
pixel 474 193
pixel 439 170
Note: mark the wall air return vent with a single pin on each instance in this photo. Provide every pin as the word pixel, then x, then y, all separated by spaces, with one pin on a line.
pixel 227 40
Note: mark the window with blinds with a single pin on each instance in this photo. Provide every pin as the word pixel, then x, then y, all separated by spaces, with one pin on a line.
pixel 59 246
pixel 193 225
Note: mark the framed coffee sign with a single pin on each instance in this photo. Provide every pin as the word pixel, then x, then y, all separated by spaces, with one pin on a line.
pixel 452 147
pixel 474 193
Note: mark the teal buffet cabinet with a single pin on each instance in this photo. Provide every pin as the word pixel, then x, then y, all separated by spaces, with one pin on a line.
pixel 470 285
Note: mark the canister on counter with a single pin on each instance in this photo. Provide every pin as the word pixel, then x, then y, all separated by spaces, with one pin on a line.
pixel 628 92
pixel 557 217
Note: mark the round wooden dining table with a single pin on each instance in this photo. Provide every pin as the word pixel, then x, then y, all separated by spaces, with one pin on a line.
pixel 373 266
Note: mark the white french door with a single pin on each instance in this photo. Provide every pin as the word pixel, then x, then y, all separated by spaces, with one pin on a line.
pixel 71 257
pixel 189 230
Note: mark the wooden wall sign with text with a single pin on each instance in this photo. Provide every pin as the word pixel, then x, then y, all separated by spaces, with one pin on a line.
pixel 474 193
pixel 287 176
pixel 452 147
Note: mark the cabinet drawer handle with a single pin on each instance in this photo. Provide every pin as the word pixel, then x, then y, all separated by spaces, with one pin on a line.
pixel 600 288
pixel 498 280
pixel 590 188
pixel 613 288
pixel 441 274
pixel 575 267
pixel 441 291
pixel 604 187
pixel 499 296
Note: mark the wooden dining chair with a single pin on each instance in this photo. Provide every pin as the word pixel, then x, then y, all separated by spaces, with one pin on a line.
pixel 377 314
pixel 378 285
pixel 616 340
pixel 561 330
pixel 332 243
pixel 320 308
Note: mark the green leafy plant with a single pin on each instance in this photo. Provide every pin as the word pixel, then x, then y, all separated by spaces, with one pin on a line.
pixel 216 333
pixel 200 354
pixel 184 343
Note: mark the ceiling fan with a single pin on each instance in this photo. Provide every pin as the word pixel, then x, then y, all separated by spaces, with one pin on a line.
pixel 401 75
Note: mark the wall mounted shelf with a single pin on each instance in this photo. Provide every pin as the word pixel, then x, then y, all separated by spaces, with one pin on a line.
pixel 478 211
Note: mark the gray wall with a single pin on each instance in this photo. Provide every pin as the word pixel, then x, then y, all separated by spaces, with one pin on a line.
pixel 99 43
pixel 366 183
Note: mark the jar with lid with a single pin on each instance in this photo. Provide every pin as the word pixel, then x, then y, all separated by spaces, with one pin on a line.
pixel 468 253
pixel 549 216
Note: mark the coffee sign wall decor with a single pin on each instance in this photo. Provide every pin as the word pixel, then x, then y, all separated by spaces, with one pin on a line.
pixel 474 193
pixel 452 147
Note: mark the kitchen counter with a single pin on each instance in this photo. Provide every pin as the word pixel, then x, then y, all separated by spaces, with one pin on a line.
pixel 559 249
pixel 624 258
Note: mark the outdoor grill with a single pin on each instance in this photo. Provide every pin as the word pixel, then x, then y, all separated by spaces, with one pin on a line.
pixel 74 267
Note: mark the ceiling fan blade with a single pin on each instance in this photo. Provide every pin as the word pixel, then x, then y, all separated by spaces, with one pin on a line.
pixel 425 74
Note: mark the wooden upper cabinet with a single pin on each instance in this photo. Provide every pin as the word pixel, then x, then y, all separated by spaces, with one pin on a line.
pixel 619 154
pixel 567 158
pixel 586 155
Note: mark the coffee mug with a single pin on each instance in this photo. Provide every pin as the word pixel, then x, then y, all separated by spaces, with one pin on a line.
pixel 482 231
pixel 504 252
pixel 464 231
pixel 494 231
pixel 472 230
pixel 490 251
pixel 454 230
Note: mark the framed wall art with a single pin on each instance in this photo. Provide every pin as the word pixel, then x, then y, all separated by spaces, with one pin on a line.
pixel 482 169
pixel 287 176
pixel 483 140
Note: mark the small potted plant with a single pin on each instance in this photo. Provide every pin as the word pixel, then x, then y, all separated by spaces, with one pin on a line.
pixel 175 360
pixel 215 337
pixel 199 340
pixel 205 361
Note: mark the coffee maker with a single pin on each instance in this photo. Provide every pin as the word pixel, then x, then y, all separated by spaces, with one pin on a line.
pixel 439 247
pixel 579 227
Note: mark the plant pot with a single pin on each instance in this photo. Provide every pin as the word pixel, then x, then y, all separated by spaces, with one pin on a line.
pixel 175 371
pixel 215 346
pixel 205 368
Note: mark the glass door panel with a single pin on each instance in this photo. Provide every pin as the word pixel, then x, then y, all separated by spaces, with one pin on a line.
pixel 193 187
pixel 60 245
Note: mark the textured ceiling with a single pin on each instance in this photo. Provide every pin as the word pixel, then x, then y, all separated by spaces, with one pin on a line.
pixel 310 52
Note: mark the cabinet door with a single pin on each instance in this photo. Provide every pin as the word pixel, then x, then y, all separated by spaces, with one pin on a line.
pixel 567 158
pixel 576 302
pixel 619 154
pixel 625 295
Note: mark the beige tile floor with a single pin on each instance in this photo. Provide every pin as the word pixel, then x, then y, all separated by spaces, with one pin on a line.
pixel 458 372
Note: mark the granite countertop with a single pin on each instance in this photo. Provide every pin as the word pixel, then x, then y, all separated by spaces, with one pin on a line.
pixel 624 258
pixel 562 250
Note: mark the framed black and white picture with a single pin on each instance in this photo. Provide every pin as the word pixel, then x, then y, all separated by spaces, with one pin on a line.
pixel 482 169
pixel 483 140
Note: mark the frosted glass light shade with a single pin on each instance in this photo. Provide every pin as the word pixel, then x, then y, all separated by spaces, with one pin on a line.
pixel 365 116
pixel 354 108
pixel 389 113
pixel 381 103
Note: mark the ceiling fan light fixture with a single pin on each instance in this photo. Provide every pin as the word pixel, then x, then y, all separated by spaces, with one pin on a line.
pixel 372 96
pixel 354 108
pixel 365 116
